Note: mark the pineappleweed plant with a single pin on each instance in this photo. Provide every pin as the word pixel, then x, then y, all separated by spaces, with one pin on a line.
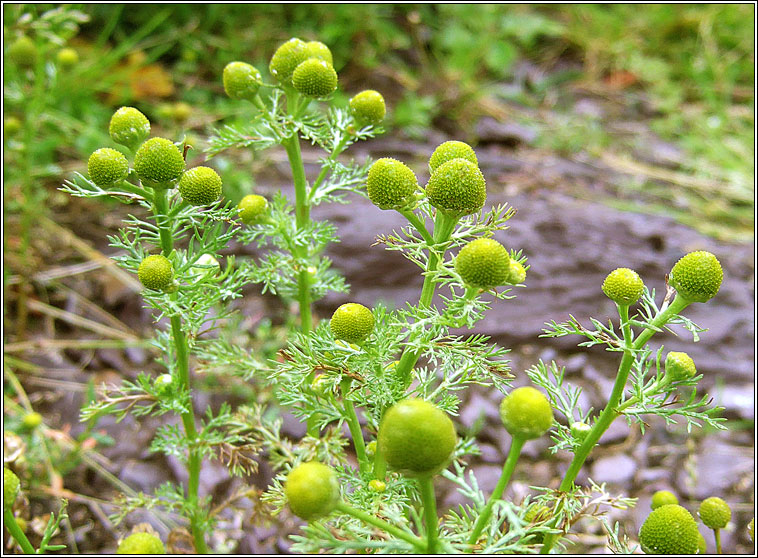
pixel 401 368
pixel 175 249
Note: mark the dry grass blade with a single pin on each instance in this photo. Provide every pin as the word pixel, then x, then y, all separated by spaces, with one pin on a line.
pixel 73 319
pixel 109 266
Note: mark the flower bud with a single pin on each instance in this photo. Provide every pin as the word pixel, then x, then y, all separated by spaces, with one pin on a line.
pixel 287 57
pixel 11 126
pixel 662 498
pixel 416 438
pixel 129 127
pixel 32 420
pixel 483 263
pixel 67 58
pixel 317 49
pixel 390 184
pixel 163 382
pixel 241 80
pixel 251 208
pixel 670 529
pixel 697 276
pixel 516 274
pixel 159 163
pixel 352 322
pixel 315 78
pixel 368 107
pixel 23 52
pixel 11 487
pixel 450 150
pixel 155 272
pixel 107 166
pixel 457 187
pixel 141 543
pixel 200 186
pixel 623 286
pixel 679 366
pixel 579 430
pixel 181 112
pixel 312 490
pixel 714 512
pixel 526 413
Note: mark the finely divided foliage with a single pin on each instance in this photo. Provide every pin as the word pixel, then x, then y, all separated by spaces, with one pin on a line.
pixel 329 379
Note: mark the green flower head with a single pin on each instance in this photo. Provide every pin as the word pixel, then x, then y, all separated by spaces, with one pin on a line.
pixel 457 187
pixel 697 276
pixel 450 150
pixel 107 166
pixel 129 127
pixel 159 163
pixel 669 529
pixel 623 286
pixel 352 322
pixel 368 107
pixel 200 186
pixel 483 263
pixel 390 183
pixel 141 543
pixel 315 78
pixel 241 80
pixel 287 57
pixel 526 413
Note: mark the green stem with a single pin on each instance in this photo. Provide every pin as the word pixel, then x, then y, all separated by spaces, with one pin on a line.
pixel 429 501
pixel 505 477
pixel 16 532
pixel 717 536
pixel 302 218
pixel 325 167
pixel 418 224
pixel 383 525
pixel 443 228
pixel 258 102
pixel 160 208
pixel 612 410
pixel 354 425
pixel 181 347
pixel 380 464
pixel 676 306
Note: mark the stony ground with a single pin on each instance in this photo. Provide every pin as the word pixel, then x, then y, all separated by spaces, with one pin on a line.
pixel 572 241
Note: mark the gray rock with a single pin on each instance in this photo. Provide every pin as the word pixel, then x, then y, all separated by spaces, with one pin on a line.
pixel 655 477
pixel 490 130
pixel 478 407
pixel 487 477
pixel 142 476
pixel 491 454
pixel 719 466
pixel 616 469
pixel 738 401
pixel 617 432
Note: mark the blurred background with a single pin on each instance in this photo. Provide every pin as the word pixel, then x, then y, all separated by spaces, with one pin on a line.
pixel 622 134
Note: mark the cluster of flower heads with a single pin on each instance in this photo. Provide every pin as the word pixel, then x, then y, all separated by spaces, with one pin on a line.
pixel 417 439
pixel 671 529
pixel 306 67
pixel 456 188
pixel 158 164
pixel 696 277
